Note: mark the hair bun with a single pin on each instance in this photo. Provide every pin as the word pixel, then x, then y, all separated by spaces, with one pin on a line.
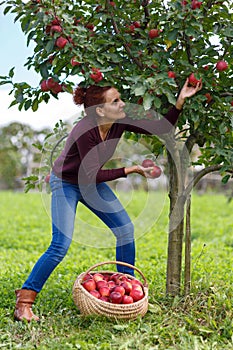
pixel 79 95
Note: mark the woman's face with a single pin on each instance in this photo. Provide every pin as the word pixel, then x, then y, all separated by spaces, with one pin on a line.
pixel 113 108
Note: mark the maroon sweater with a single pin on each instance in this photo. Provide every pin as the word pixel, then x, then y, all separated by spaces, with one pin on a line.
pixel 85 153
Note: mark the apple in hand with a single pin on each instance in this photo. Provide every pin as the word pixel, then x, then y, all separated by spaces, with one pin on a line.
pixel 47 178
pixel 156 172
pixel 193 80
pixel 147 163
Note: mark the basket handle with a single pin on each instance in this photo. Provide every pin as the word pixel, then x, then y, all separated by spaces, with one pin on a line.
pixel 119 263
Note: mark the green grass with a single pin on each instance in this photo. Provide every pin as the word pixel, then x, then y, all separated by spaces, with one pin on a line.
pixel 202 320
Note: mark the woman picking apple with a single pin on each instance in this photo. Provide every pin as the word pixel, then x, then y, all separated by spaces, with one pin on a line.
pixel 77 176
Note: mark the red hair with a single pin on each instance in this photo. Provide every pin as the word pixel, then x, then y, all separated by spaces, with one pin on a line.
pixel 92 96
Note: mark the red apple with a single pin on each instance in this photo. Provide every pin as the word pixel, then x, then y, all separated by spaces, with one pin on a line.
pixel 132 28
pixel 44 86
pixel 104 291
pixel 98 276
pixel 221 65
pixel 56 28
pixel 147 163
pixel 196 4
pixel 74 62
pixel 127 286
pixel 106 299
pixel 111 284
pixel 137 24
pixel 208 97
pixel 96 75
pixel 232 103
pixel 61 42
pixel 106 277
pixel 51 83
pixel 87 277
pixel 90 26
pixel 101 283
pixel 95 293
pixel 57 88
pixel 193 80
pixel 127 299
pixel 171 74
pixel 120 289
pixel 115 297
pixel 136 294
pixel 136 281
pixel 153 33
pixel 156 172
pixel 55 22
pixel 115 277
pixel 89 285
pixel 47 178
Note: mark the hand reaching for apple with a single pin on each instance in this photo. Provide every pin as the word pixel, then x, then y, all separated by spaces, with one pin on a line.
pixel 146 172
pixel 187 91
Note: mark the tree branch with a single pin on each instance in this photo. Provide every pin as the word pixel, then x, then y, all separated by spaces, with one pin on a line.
pixel 199 175
pixel 117 31
pixel 146 11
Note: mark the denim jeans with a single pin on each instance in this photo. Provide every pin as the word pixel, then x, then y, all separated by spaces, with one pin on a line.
pixel 101 200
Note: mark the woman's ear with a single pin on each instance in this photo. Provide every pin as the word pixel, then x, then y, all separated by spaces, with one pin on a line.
pixel 99 111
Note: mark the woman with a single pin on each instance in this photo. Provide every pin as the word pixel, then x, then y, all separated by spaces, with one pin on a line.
pixel 77 176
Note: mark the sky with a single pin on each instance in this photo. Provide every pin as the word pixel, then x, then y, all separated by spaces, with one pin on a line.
pixel 14 53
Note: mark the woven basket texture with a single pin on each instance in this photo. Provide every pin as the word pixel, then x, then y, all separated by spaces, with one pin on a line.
pixel 90 305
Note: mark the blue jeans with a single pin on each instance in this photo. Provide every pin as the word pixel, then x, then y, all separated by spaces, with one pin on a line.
pixel 101 200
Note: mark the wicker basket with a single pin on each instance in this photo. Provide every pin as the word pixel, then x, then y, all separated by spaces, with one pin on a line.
pixel 89 305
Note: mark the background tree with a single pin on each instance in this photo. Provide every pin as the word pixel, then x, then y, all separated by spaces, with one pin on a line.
pixel 146 49
pixel 18 156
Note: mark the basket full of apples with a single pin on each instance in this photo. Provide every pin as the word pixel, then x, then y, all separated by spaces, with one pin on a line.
pixel 111 294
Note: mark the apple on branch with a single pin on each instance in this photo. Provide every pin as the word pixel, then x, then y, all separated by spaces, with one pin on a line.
pixel 221 65
pixel 153 33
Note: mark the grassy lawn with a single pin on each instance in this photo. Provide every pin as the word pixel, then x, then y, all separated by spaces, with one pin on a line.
pixel 203 320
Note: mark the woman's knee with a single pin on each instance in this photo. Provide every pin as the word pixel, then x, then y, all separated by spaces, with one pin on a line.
pixel 59 247
pixel 124 234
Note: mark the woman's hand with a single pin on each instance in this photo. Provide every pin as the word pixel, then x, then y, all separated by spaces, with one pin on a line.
pixel 138 169
pixel 186 92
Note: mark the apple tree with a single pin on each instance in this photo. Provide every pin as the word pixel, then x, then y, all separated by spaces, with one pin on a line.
pixel 146 49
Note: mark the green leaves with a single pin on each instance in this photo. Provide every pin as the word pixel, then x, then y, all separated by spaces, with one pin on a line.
pixel 104 36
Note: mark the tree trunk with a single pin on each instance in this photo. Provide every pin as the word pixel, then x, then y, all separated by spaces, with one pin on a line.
pixel 176 223
pixel 187 264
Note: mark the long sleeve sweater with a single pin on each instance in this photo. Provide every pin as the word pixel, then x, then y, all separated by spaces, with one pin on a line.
pixel 85 153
